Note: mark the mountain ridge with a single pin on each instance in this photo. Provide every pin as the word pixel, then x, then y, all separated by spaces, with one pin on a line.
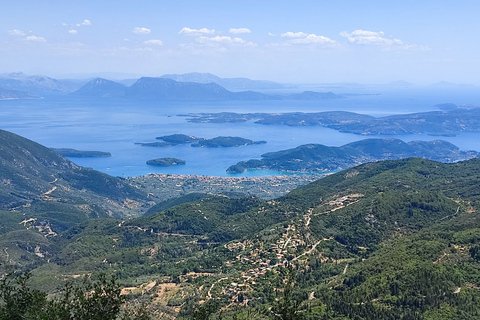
pixel 167 89
pixel 36 179
pixel 233 84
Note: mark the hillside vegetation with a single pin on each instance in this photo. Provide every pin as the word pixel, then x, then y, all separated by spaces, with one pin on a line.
pixel 317 157
pixel 395 239
pixel 388 240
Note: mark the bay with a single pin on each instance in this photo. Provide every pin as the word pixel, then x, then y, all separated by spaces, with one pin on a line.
pixel 115 125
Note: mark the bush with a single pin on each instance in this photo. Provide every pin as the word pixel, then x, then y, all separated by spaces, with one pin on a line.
pixel 97 300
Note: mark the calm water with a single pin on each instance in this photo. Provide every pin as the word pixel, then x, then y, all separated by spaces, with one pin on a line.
pixel 114 125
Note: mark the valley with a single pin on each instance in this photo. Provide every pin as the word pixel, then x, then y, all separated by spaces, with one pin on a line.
pixel 349 244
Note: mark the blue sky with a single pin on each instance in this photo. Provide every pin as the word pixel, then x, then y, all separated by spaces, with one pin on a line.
pixel 288 41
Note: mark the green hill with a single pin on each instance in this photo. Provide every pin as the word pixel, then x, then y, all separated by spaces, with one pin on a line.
pixel 317 157
pixel 43 194
pixel 37 179
pixel 387 240
pixel 395 239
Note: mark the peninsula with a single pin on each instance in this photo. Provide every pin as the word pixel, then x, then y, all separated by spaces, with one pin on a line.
pixel 73 153
pixel 321 158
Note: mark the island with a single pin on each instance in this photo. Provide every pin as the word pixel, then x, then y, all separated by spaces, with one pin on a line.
pixel 73 153
pixel 321 158
pixel 177 138
pixel 166 162
pixel 218 142
pixel 450 121
pixel 226 142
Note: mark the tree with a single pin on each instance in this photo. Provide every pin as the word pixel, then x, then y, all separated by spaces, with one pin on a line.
pixel 18 301
pixel 287 308
pixel 91 300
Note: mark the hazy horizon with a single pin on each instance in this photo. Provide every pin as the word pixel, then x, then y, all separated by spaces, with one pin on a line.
pixel 301 42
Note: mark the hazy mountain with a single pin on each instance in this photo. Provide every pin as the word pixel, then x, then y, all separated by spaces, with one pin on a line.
pixel 127 82
pixel 311 95
pixel 37 83
pixel 167 89
pixel 233 84
pixel 451 85
pixel 115 76
pixel 101 88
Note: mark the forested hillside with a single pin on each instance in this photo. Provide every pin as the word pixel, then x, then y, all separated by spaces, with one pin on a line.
pixel 396 239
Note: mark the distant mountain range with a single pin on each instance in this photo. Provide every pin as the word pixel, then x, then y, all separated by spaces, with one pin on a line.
pixel 317 157
pixel 190 86
pixel 168 89
pixel 232 84
pixel 37 84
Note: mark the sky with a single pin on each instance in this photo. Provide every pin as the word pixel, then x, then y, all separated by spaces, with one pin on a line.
pixel 287 41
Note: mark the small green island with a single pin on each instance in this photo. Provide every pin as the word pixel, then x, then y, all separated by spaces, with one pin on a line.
pixel 178 138
pixel 220 142
pixel 73 153
pixel 217 142
pixel 166 162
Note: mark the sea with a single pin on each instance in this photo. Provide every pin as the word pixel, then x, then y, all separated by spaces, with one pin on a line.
pixel 115 124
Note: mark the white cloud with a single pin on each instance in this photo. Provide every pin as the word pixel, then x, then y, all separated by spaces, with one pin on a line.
pixel 314 39
pixel 141 30
pixel 196 32
pixel 302 38
pixel 16 32
pixel 294 34
pixel 84 23
pixel 222 40
pixel 35 39
pixel 239 30
pixel 153 42
pixel 364 37
pixel 272 34
pixel 72 31
pixel 217 39
pixel 374 38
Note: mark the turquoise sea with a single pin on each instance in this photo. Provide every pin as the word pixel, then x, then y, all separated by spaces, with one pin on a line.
pixel 114 125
